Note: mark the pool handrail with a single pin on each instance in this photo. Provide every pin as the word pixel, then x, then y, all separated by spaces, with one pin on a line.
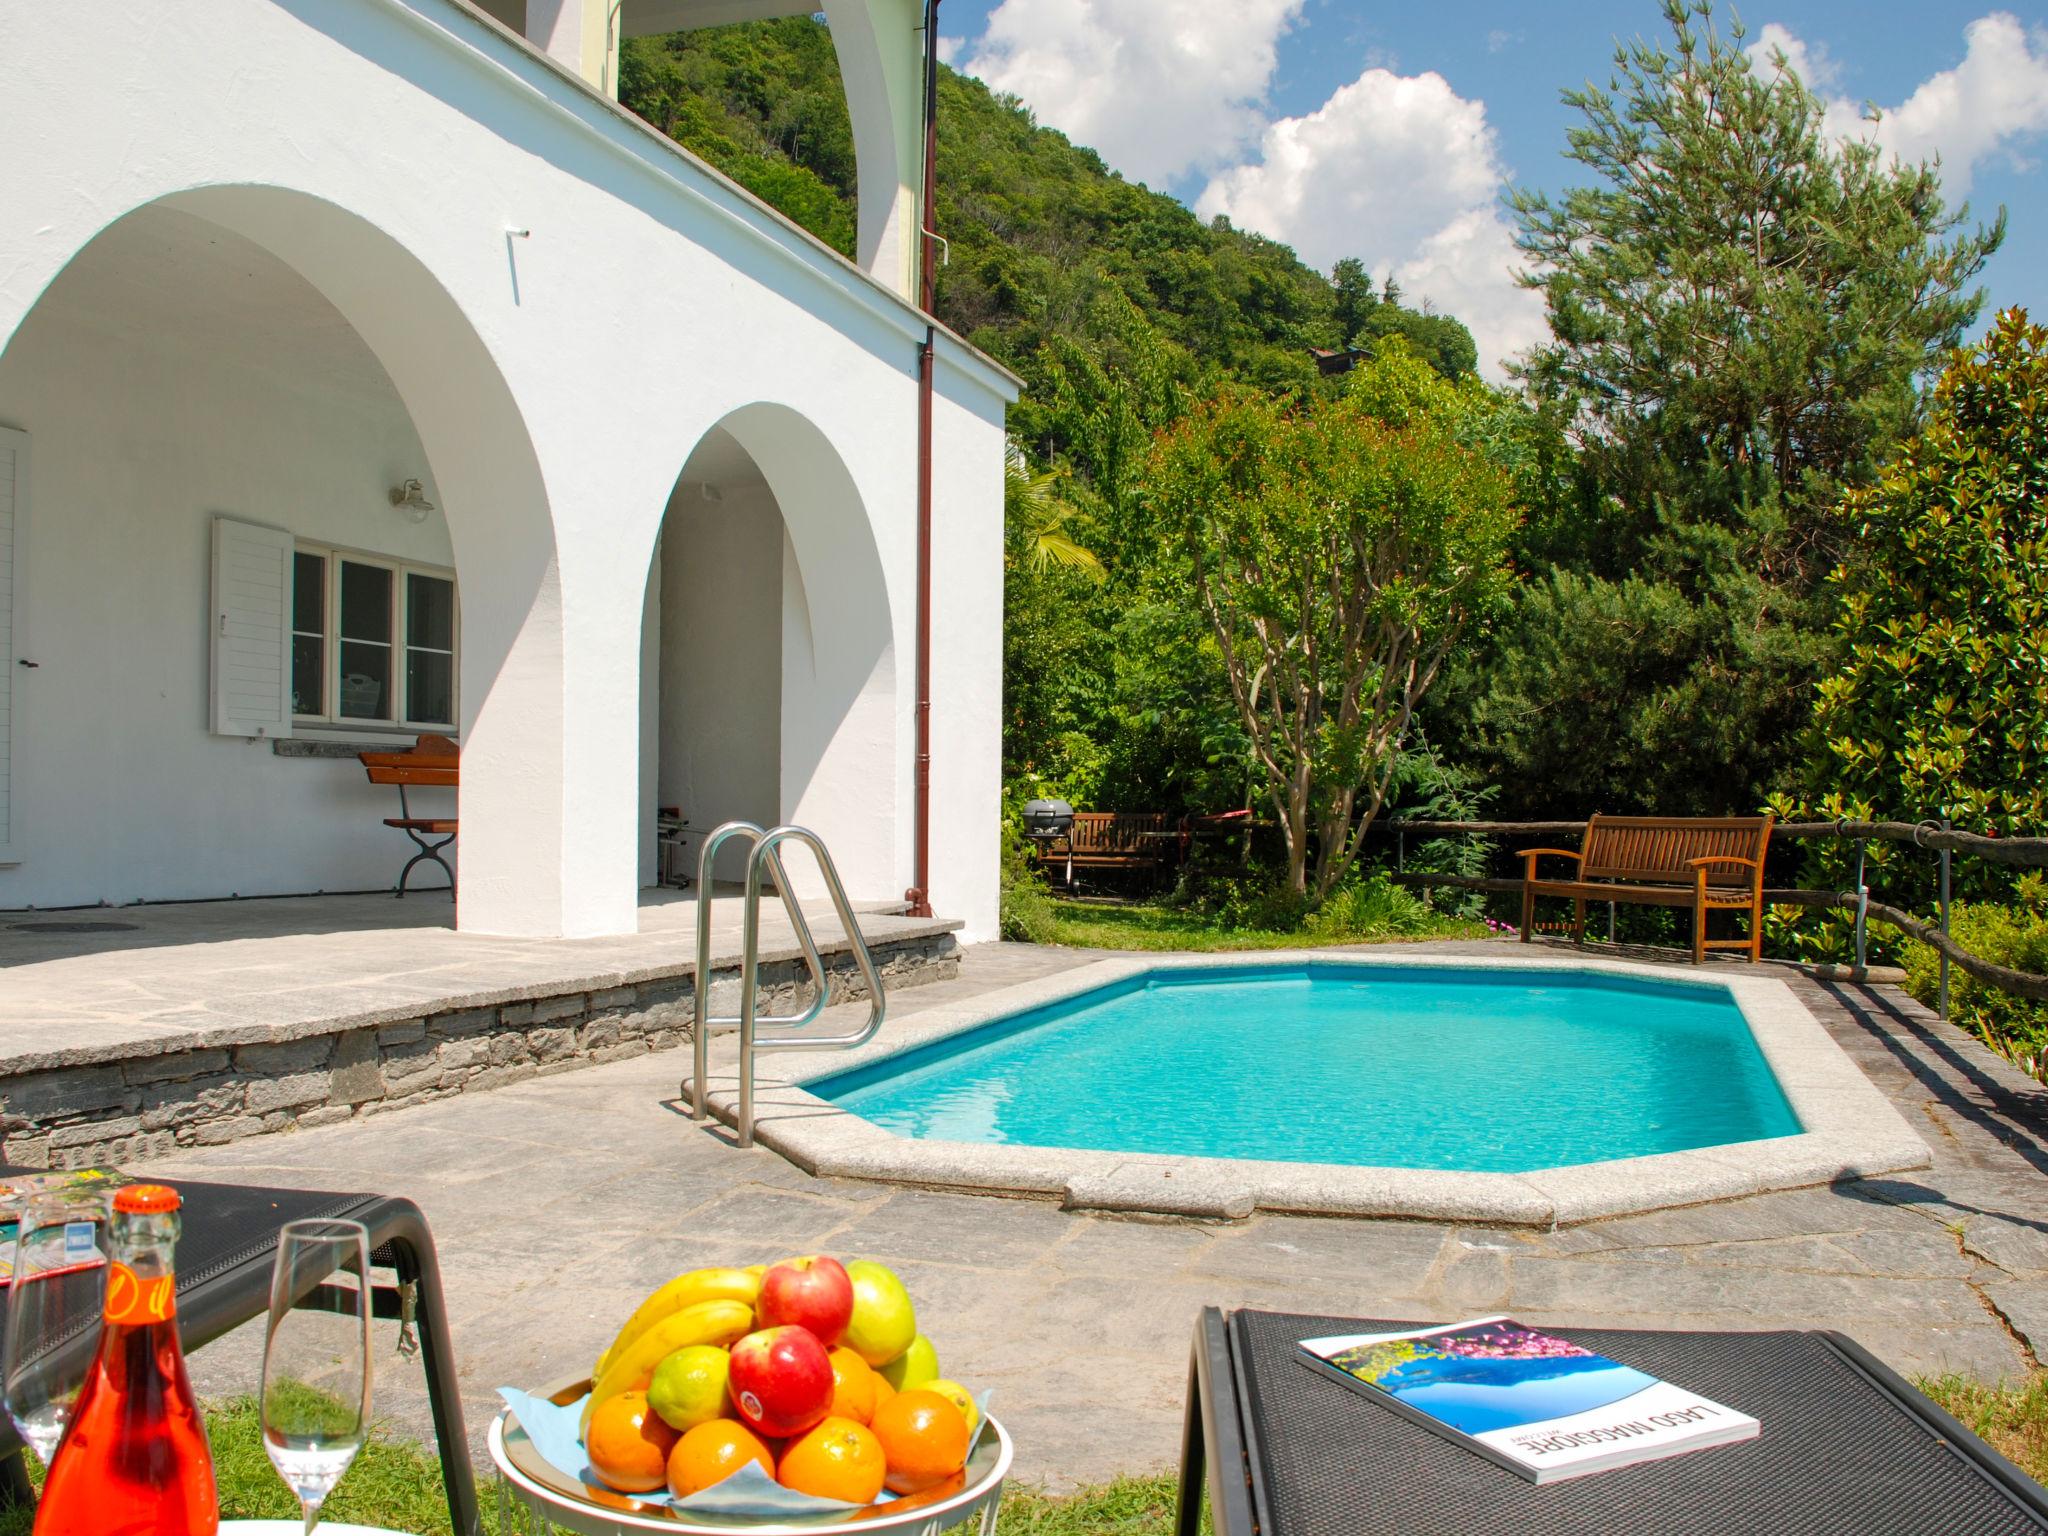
pixel 764 855
pixel 704 1025
pixel 765 858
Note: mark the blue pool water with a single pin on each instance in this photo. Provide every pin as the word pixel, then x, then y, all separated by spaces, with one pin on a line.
pixel 1411 1066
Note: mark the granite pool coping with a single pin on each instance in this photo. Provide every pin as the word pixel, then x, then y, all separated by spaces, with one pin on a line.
pixel 1850 1129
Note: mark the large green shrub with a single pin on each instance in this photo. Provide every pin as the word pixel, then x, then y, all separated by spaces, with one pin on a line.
pixel 1939 708
pixel 2012 936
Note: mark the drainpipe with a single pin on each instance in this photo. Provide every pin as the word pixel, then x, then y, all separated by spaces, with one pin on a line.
pixel 919 894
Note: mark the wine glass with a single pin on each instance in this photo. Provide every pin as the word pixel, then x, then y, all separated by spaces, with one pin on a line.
pixel 53 1307
pixel 316 1357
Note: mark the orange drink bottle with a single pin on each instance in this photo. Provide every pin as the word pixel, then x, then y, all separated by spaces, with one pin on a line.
pixel 134 1461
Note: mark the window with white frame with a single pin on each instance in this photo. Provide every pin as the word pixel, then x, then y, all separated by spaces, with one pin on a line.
pixel 373 640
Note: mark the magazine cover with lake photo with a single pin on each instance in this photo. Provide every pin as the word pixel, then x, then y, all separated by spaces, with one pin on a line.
pixel 1537 1404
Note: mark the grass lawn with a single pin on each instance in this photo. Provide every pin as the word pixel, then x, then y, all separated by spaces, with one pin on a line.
pixel 2013 1417
pixel 397 1485
pixel 1155 925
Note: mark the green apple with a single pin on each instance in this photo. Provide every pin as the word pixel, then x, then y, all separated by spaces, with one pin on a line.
pixel 689 1386
pixel 915 1367
pixel 884 1323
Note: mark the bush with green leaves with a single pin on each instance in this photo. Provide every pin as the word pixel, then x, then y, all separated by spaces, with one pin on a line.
pixel 1939 707
pixel 1372 908
pixel 2015 937
pixel 1026 914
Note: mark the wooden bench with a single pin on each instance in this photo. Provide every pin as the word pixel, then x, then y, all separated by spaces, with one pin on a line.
pixel 430 764
pixel 1707 863
pixel 1117 840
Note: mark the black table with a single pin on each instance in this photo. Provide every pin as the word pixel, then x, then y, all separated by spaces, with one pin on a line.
pixel 225 1252
pixel 1847 1447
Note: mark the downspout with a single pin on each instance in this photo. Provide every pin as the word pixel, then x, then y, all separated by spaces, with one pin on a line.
pixel 919 894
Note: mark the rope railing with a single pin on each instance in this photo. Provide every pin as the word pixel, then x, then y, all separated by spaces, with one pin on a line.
pixel 1935 837
pixel 2031 852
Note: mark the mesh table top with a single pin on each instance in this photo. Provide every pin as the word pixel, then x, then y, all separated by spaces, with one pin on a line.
pixel 1838 1453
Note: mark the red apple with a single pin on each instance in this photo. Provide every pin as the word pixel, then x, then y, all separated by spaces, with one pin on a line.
pixel 812 1292
pixel 781 1380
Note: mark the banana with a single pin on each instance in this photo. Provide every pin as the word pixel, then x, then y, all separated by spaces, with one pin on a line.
pixel 686 1290
pixel 632 1368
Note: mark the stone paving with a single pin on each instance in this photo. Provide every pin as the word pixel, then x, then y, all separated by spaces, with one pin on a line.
pixel 122 981
pixel 558 1203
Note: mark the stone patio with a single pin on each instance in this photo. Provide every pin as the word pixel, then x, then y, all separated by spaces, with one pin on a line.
pixel 129 1032
pixel 558 1203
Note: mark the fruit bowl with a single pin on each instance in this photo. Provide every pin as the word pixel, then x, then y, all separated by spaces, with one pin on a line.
pixel 968 1499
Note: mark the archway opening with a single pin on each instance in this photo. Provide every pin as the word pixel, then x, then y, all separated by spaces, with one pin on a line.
pixel 768 662
pixel 263 440
pixel 711 664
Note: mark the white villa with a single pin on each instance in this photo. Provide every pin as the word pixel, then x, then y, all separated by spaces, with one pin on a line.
pixel 366 371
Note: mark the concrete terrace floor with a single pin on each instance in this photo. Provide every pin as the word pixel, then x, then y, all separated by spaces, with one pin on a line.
pixel 105 980
pixel 557 1204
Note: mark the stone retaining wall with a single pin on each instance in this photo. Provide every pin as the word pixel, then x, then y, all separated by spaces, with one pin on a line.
pixel 125 1111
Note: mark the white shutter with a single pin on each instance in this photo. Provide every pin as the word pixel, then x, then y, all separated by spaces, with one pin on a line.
pixel 13 507
pixel 252 629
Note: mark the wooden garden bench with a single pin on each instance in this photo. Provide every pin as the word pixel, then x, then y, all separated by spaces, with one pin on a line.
pixel 1116 840
pixel 1707 863
pixel 1122 839
pixel 432 763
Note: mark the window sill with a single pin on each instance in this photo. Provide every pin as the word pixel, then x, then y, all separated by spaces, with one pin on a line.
pixel 332 747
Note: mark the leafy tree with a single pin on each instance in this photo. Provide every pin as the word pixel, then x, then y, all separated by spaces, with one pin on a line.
pixel 1939 707
pixel 1355 299
pixel 1338 548
pixel 1740 310
pixel 1035 519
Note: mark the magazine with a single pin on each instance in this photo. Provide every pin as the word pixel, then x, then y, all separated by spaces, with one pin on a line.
pixel 80 1248
pixel 1537 1404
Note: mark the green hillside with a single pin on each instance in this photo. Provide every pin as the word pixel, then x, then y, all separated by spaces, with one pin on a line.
pixel 1045 239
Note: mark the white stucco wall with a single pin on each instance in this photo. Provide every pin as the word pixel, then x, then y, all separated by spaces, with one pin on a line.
pixel 142 388
pixel 557 381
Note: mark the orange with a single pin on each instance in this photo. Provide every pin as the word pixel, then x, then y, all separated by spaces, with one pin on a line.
pixel 838 1460
pixel 627 1443
pixel 923 1437
pixel 853 1387
pixel 884 1390
pixel 712 1452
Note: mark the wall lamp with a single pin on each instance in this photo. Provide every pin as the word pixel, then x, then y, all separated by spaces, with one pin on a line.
pixel 411 499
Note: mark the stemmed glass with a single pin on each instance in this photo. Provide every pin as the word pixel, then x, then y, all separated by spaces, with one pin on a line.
pixel 316 1357
pixel 53 1307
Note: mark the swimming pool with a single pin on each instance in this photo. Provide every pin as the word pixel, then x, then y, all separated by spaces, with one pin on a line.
pixel 1478 1113
pixel 1414 1066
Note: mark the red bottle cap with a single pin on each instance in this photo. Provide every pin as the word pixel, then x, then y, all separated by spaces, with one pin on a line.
pixel 146 1199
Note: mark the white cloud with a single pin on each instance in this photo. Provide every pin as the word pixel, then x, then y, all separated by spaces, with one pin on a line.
pixel 1403 173
pixel 1996 98
pixel 949 48
pixel 1158 87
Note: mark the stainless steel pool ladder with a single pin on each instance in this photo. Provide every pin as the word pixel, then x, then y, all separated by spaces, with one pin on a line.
pixel 766 859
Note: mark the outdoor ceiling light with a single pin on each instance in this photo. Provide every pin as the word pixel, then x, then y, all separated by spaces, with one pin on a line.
pixel 411 499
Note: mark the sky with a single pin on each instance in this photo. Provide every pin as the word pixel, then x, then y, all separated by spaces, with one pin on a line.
pixel 1388 130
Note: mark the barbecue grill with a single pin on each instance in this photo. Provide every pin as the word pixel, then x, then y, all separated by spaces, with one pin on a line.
pixel 1048 821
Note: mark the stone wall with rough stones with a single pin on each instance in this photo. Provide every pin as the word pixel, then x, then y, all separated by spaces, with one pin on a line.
pixel 127 1111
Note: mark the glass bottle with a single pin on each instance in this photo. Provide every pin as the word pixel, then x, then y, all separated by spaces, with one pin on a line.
pixel 134 1460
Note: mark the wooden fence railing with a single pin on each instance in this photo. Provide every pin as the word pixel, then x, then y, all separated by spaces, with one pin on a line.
pixel 1935 837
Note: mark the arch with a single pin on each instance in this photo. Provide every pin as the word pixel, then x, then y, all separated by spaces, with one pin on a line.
pixel 837 738
pixel 487 478
pixel 881 66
